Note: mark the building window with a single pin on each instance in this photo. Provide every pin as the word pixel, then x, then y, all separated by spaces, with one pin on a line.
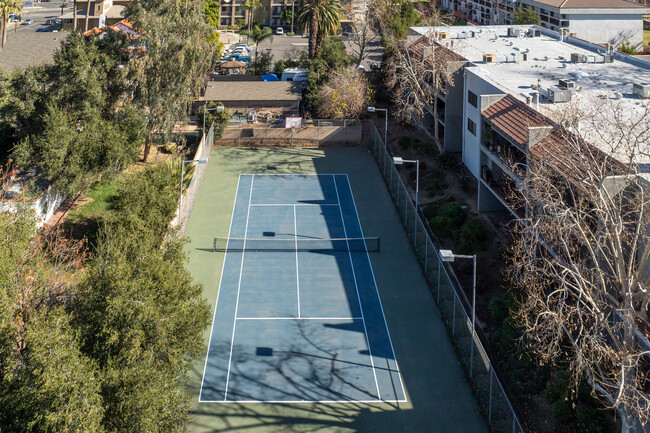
pixel 472 99
pixel 471 126
pixel 266 8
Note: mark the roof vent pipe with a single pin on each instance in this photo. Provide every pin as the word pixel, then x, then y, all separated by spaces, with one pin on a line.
pixel 536 100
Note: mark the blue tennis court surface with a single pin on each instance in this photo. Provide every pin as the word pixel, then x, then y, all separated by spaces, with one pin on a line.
pixel 298 326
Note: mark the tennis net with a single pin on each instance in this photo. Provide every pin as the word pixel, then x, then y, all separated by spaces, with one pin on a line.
pixel 370 244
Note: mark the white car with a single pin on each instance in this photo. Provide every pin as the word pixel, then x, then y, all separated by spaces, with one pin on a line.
pixel 241 47
pixel 279 31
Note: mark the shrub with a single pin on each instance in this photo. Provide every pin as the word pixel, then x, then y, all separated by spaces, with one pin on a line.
pixel 500 307
pixel 430 209
pixel 454 212
pixel 561 409
pixel 405 142
pixel 436 186
pixel 443 226
pixel 589 419
pixel 558 388
pixel 448 160
pixel 627 48
pixel 471 237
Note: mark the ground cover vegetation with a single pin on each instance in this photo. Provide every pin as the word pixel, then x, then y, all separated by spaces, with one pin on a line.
pixel 101 336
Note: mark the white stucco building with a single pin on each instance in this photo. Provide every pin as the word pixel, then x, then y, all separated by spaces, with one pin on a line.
pixel 597 21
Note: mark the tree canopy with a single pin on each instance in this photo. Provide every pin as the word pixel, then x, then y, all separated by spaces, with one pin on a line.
pixel 526 16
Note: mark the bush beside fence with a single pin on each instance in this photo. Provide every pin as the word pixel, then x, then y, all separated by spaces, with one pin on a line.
pixel 492 398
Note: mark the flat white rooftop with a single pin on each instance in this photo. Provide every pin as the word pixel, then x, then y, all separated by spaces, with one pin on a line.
pixel 549 61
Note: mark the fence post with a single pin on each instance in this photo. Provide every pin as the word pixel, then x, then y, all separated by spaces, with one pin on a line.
pixel 318 132
pixel 490 399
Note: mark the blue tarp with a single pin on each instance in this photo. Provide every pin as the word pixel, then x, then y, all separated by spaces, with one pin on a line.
pixel 270 77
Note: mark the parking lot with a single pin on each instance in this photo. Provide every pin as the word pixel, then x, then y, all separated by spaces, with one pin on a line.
pixel 35 43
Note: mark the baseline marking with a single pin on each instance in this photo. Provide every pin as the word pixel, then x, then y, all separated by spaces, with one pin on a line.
pixel 294 204
pixel 223 265
pixel 372 272
pixel 241 269
pixel 356 287
pixel 301 318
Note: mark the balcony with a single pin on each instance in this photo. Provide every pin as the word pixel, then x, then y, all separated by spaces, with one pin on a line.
pixel 505 190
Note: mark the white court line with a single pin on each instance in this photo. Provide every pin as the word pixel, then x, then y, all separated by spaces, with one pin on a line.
pixel 303 401
pixel 241 269
pixel 295 231
pixel 223 265
pixel 399 373
pixel 301 318
pixel 356 287
pixel 294 204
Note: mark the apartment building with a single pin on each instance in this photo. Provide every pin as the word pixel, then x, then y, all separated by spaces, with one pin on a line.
pixel 102 13
pixel 597 21
pixel 268 14
pixel 516 82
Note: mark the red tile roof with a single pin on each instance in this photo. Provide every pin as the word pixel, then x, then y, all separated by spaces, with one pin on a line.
pixel 513 118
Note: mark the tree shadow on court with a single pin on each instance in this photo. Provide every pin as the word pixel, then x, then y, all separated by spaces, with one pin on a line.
pixel 313 383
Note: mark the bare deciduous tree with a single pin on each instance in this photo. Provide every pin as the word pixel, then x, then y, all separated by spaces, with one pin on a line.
pixel 417 75
pixel 344 95
pixel 581 253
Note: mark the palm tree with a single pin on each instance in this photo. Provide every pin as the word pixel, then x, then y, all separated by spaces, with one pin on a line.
pixel 87 16
pixel 249 6
pixel 74 15
pixel 7 7
pixel 322 18
pixel 258 35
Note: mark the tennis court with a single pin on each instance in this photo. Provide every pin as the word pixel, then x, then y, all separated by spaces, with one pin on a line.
pixel 298 315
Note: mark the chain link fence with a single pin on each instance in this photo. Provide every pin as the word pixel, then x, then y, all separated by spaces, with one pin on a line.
pixel 313 133
pixel 490 394
pixel 190 193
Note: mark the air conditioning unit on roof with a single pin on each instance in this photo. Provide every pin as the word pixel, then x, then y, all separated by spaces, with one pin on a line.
pixel 578 58
pixel 568 84
pixel 534 33
pixel 642 90
pixel 490 58
pixel 558 94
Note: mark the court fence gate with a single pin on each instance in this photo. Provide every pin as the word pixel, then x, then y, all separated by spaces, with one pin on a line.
pixel 491 396
pixel 190 193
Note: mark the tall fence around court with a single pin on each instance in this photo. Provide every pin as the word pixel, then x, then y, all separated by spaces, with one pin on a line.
pixel 190 193
pixel 487 387
pixel 313 133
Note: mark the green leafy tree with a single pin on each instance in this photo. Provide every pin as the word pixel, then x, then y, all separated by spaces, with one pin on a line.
pixel 262 64
pixel 170 71
pixel 286 16
pixel 220 119
pixel 140 316
pixel 526 16
pixel 211 9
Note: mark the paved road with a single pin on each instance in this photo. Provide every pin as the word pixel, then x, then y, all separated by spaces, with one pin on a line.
pixel 35 43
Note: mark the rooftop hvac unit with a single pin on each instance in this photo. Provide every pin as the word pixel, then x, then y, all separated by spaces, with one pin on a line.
pixel 578 58
pixel 558 94
pixel 524 57
pixel 444 35
pixel 568 84
pixel 642 90
pixel 534 33
pixel 490 58
pixel 609 58
pixel 514 32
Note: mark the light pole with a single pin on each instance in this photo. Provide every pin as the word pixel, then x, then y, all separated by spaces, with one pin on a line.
pixel 203 160
pixel 399 161
pixel 372 110
pixel 448 256
pixel 219 108
pixel 292 3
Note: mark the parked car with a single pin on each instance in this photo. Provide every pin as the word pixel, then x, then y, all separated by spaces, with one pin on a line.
pixel 28 21
pixel 279 31
pixel 50 22
pixel 241 47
